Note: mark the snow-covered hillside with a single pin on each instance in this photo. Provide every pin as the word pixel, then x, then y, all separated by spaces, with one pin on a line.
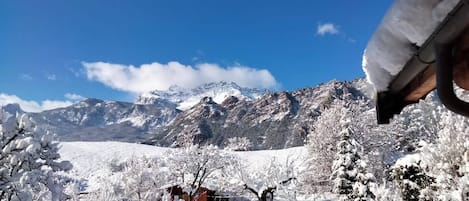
pixel 186 98
pixel 91 160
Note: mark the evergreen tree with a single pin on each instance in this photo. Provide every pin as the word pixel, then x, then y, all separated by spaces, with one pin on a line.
pixel 349 172
pixel 343 168
pixel 412 180
pixel 361 188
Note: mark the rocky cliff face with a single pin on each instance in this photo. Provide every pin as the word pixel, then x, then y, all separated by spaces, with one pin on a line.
pixel 275 120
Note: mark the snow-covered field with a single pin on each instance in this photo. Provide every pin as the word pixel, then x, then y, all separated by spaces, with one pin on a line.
pixel 91 159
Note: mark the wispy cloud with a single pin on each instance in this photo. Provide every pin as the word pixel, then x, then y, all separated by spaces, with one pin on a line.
pixel 154 76
pixel 51 77
pixel 32 106
pixel 26 77
pixel 75 72
pixel 74 97
pixel 327 28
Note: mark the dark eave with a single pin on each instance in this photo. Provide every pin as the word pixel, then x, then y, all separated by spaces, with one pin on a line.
pixel 418 76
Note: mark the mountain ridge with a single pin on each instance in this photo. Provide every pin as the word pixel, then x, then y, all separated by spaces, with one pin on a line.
pixel 184 98
pixel 274 120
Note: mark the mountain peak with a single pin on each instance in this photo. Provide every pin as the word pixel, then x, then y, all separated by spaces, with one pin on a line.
pixel 89 102
pixel 186 98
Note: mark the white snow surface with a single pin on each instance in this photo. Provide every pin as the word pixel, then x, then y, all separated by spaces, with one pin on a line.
pixel 91 160
pixel 406 24
pixel 184 98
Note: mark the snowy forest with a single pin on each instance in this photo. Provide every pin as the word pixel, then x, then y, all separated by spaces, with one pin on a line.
pixel 423 154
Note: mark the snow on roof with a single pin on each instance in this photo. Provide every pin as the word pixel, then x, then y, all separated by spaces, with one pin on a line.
pixel 407 24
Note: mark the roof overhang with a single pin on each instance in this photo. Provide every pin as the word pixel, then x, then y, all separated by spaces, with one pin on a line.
pixel 445 48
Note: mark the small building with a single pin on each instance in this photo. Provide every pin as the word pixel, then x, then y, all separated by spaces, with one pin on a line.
pixel 204 194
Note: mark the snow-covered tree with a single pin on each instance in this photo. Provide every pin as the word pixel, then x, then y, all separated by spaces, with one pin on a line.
pixel 138 178
pixel 29 161
pixel 265 182
pixel 417 122
pixel 447 160
pixel 194 166
pixel 143 179
pixel 344 170
pixel 238 144
pixel 349 171
pixel 322 146
pixel 362 187
pixel 411 179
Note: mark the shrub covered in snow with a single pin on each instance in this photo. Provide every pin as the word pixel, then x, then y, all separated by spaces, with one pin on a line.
pixel 29 161
pixel 138 178
pixel 238 144
pixel 412 181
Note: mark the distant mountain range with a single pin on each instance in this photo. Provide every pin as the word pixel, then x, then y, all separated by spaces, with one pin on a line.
pixel 211 113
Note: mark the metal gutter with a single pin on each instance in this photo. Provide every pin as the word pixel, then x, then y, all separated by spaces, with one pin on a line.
pixel 392 102
pixel 444 76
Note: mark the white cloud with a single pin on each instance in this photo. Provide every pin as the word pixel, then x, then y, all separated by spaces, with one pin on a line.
pixel 327 28
pixel 153 76
pixel 32 106
pixel 52 104
pixel 72 96
pixel 51 77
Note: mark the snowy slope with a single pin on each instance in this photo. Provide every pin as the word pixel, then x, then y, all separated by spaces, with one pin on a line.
pixel 404 28
pixel 186 98
pixel 91 159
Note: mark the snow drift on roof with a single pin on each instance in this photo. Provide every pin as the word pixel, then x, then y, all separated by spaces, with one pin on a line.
pixel 406 26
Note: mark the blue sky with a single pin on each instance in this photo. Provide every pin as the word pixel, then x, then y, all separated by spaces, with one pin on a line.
pixel 65 50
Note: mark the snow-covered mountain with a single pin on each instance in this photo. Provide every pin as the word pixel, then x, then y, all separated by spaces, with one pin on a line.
pixel 213 114
pixel 275 120
pixel 184 98
pixel 98 120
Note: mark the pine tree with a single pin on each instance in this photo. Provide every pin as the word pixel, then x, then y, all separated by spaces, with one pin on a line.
pixel 343 168
pixel 412 180
pixel 361 188
pixel 349 172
